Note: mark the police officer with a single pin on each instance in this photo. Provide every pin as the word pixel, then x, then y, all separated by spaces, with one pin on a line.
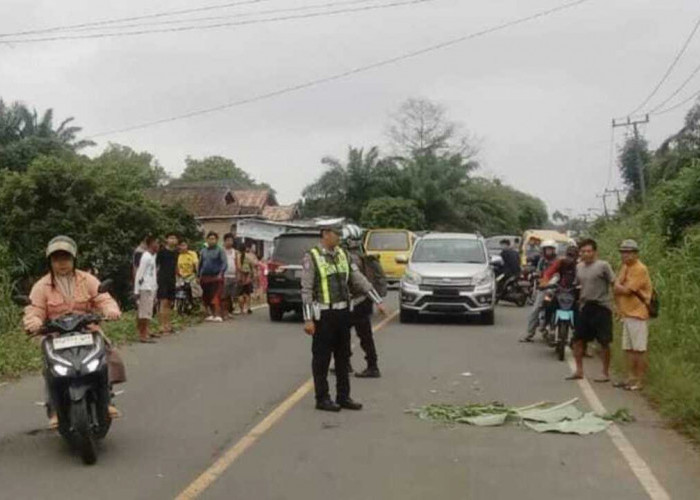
pixel 362 305
pixel 327 283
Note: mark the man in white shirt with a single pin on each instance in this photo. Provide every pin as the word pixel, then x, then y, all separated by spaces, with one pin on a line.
pixel 145 288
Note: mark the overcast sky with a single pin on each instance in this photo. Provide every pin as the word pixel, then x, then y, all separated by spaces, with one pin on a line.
pixel 540 95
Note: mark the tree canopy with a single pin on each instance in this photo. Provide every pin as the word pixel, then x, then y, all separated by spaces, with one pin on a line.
pixel 212 168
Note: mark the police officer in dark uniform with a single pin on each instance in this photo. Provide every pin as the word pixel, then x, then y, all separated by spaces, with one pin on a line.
pixel 328 281
pixel 362 304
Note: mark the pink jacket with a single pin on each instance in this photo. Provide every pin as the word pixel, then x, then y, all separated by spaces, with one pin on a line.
pixel 49 303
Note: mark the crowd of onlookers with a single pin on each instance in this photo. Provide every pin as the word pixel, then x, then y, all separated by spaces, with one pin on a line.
pixel 224 276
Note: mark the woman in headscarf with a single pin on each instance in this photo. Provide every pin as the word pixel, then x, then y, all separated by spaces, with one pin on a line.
pixel 66 289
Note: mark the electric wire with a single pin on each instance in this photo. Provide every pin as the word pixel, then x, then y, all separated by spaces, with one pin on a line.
pixel 680 53
pixel 217 18
pixel 134 18
pixel 676 106
pixel 217 25
pixel 348 73
pixel 677 91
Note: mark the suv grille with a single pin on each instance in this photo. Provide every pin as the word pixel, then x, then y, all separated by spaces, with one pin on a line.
pixel 445 282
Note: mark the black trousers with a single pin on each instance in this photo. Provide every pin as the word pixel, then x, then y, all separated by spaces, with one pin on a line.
pixel 332 338
pixel 362 322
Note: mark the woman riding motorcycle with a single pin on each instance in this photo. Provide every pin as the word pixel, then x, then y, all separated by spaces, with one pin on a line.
pixel 68 290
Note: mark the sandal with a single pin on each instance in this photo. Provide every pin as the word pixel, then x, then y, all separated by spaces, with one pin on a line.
pixel 634 388
pixel 603 380
pixel 148 341
pixel 574 377
pixel 621 385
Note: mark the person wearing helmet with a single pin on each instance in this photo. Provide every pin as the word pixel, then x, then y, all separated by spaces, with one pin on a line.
pixel 66 289
pixel 362 306
pixel 548 258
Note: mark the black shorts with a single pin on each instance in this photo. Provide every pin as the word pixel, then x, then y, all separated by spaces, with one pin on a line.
pixel 246 289
pixel 166 290
pixel 595 322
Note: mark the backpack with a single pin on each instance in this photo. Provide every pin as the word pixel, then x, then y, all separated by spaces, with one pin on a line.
pixel 654 304
pixel 372 269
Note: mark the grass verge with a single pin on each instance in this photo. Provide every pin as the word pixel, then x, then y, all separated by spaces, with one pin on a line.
pixel 673 379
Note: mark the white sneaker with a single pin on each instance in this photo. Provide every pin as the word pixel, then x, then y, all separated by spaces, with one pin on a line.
pixel 210 318
pixel 218 319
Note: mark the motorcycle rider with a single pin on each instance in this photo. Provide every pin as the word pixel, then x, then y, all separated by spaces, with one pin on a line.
pixel 549 257
pixel 64 290
pixel 361 314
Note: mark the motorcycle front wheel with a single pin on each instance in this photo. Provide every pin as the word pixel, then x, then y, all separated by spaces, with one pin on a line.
pixel 563 340
pixel 83 438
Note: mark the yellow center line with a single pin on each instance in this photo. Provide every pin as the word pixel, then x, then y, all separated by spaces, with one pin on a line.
pixel 209 476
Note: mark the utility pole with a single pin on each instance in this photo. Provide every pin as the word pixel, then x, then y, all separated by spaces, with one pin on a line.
pixel 638 159
pixel 617 193
pixel 604 196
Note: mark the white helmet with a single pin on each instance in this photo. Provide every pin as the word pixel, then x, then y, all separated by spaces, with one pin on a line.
pixel 548 244
pixel 352 232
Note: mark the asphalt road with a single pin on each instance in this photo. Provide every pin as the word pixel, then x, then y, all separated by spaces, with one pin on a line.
pixel 191 398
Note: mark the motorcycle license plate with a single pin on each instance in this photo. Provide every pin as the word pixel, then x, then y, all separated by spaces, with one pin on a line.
pixel 73 341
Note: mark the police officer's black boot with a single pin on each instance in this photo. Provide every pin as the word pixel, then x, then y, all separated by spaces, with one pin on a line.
pixel 327 405
pixel 349 404
pixel 372 371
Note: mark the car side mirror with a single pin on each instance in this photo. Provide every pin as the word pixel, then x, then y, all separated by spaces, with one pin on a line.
pixel 401 259
pixel 496 260
pixel 22 300
pixel 106 286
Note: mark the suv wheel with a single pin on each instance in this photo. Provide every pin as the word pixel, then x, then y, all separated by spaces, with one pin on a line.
pixel 276 313
pixel 488 317
pixel 406 316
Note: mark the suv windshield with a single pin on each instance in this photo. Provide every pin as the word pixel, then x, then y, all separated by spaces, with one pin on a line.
pixel 290 249
pixel 388 241
pixel 449 251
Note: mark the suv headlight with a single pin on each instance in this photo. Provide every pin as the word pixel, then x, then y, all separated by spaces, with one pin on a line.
pixel 483 279
pixel 412 278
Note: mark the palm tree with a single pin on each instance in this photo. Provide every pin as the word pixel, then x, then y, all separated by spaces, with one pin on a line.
pixel 42 127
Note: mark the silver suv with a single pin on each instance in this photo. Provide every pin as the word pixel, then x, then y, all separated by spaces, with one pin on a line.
pixel 448 273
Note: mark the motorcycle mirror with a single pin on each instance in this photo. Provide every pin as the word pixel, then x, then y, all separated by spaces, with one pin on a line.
pixel 106 286
pixel 22 300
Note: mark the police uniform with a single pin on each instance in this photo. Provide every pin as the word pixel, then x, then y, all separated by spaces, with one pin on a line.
pixel 361 320
pixel 328 281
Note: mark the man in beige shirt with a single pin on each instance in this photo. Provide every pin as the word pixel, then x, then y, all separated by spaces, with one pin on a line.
pixel 633 292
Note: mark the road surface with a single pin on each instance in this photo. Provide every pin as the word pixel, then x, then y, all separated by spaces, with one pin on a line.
pixel 202 395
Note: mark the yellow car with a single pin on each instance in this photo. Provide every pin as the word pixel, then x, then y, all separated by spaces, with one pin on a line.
pixel 389 244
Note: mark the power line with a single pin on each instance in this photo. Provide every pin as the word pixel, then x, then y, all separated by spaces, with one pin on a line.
pixel 670 68
pixel 351 72
pixel 135 18
pixel 216 18
pixel 677 91
pixel 218 25
pixel 676 106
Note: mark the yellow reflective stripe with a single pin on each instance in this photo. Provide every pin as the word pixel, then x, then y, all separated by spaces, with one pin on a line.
pixel 322 267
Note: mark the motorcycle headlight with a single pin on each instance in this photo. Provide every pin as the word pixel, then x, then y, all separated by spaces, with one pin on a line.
pixel 92 365
pixel 412 278
pixel 60 369
pixel 482 279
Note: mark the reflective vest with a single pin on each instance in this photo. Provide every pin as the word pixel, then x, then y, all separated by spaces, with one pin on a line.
pixel 332 276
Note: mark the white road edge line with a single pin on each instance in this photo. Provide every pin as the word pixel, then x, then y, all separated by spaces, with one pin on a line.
pixel 639 467
pixel 214 471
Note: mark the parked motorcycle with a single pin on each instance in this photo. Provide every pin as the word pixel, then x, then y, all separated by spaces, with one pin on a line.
pixel 184 303
pixel 509 290
pixel 76 370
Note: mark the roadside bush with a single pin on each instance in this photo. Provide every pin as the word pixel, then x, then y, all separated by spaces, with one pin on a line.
pixel 674 344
